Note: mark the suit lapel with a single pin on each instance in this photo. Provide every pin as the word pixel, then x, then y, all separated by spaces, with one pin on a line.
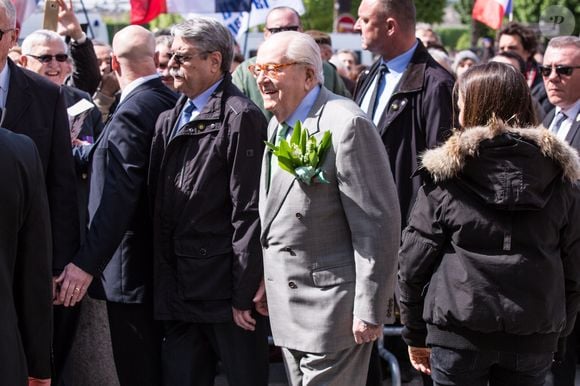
pixel 19 90
pixel 282 181
pixel 573 132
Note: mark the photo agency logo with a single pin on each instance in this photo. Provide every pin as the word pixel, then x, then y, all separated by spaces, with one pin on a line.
pixel 556 20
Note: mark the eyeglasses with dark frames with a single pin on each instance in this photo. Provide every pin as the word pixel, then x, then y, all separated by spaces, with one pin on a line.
pixel 275 30
pixel 48 58
pixel 560 70
pixel 3 32
pixel 180 59
pixel 271 70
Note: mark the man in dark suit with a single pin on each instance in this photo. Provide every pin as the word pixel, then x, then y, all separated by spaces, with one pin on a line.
pixel 118 246
pixel 25 265
pixel 408 96
pixel 34 106
pixel 561 73
pixel 204 175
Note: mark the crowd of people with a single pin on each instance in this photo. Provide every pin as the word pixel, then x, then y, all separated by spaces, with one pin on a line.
pixel 296 194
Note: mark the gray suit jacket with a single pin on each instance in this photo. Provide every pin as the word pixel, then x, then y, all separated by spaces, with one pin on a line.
pixel 330 250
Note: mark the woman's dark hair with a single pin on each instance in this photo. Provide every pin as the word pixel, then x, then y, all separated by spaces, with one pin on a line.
pixel 495 92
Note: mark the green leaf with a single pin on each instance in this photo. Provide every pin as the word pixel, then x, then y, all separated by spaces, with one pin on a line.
pixel 303 140
pixel 271 146
pixel 286 164
pixel 296 133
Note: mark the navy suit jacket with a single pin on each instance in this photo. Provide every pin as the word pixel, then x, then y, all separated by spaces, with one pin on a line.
pixel 118 248
pixel 35 107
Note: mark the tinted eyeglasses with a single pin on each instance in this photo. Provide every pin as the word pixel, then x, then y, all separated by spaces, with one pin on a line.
pixel 180 59
pixel 48 58
pixel 3 32
pixel 275 30
pixel 271 70
pixel 560 70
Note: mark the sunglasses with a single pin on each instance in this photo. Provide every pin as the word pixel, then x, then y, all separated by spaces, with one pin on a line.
pixel 275 30
pixel 271 70
pixel 180 59
pixel 560 70
pixel 48 58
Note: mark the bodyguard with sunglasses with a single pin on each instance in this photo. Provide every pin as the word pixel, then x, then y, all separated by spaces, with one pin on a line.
pixel 561 74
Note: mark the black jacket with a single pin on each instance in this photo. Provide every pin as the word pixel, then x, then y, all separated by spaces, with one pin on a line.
pixel 25 264
pixel 491 256
pixel 204 183
pixel 35 107
pixel 118 247
pixel 419 116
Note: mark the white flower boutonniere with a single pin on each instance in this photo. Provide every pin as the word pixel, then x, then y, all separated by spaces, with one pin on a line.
pixel 302 156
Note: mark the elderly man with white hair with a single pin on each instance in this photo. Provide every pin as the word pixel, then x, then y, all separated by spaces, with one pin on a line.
pixel 330 240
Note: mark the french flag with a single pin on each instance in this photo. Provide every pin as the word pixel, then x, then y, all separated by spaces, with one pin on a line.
pixel 143 11
pixel 24 8
pixel 491 12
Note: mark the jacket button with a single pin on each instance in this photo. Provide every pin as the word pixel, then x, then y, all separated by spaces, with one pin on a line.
pixel 299 215
pixel 292 285
pixel 202 251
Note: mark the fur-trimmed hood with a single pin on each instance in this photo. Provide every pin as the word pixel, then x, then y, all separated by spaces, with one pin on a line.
pixel 505 166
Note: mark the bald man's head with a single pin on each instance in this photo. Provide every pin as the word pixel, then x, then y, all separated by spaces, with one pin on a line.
pixel 134 43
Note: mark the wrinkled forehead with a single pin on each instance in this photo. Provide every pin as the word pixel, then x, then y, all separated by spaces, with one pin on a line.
pixel 562 55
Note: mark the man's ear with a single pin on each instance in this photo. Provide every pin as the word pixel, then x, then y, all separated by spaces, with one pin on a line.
pixel 15 36
pixel 23 60
pixel 216 60
pixel 156 59
pixel 115 66
pixel 311 78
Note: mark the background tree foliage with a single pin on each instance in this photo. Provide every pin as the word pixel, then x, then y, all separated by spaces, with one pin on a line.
pixel 525 11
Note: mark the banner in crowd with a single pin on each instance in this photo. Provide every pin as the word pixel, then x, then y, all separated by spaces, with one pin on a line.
pixel 239 22
pixel 143 11
pixel 491 12
pixel 24 8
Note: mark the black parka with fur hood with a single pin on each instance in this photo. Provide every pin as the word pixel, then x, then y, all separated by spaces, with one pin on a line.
pixel 491 256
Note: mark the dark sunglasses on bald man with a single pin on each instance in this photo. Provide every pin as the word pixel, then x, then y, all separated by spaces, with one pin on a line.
pixel 560 70
pixel 48 58
pixel 275 30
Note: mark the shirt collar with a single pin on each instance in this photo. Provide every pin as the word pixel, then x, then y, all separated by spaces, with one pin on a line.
pixel 5 77
pixel 571 112
pixel 301 112
pixel 134 84
pixel 398 64
pixel 201 100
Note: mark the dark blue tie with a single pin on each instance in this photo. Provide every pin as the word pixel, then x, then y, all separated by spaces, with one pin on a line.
pixel 379 85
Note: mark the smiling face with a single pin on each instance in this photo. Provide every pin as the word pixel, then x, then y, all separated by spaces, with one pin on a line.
pixel 284 89
pixel 563 90
pixel 54 70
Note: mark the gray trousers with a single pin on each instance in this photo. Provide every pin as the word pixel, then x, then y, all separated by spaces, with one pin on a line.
pixel 342 368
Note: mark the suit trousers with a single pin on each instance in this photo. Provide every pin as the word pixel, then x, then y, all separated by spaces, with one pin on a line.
pixel 136 343
pixel 191 352
pixel 342 368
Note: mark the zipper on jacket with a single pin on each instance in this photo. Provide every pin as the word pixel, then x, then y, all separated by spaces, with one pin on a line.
pixel 507 236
